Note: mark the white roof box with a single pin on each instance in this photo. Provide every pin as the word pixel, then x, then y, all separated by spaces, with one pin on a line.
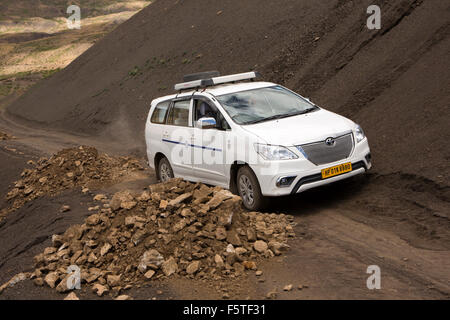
pixel 207 82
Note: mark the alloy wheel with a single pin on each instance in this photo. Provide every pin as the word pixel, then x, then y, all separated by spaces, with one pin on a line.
pixel 246 190
pixel 164 172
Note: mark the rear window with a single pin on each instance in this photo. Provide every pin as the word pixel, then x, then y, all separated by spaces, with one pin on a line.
pixel 159 114
pixel 179 113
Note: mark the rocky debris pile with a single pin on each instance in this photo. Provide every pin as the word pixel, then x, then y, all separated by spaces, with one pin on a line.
pixel 82 166
pixel 5 136
pixel 14 280
pixel 175 228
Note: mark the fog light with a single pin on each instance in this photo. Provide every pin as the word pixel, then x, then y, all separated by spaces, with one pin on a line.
pixel 283 182
pixel 368 158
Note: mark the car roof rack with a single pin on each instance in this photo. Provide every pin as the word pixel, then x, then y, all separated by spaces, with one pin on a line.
pixel 213 81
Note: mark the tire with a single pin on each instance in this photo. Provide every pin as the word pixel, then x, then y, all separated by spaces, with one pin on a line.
pixel 248 188
pixel 165 171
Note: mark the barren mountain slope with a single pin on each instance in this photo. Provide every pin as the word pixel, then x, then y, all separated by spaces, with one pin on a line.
pixel 394 82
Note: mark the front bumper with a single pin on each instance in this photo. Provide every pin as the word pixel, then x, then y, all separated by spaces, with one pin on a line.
pixel 308 175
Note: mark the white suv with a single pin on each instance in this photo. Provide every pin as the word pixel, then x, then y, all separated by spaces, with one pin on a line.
pixel 256 138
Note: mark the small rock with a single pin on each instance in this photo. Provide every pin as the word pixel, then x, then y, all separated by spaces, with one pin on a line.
pixel 251 235
pixel 193 267
pixel 123 297
pixel 179 225
pixel 278 247
pixel 149 274
pixel 145 196
pixel 250 265
pixel 233 238
pixel 104 250
pixel 99 197
pixel 221 233
pixel 28 190
pixel 180 199
pixel 163 204
pixel 218 198
pixel 93 220
pixel 112 280
pixel 50 279
pixel 150 258
pixel 130 221
pixel 288 287
pixel 62 286
pixel 71 296
pixel 50 250
pixel 43 180
pixel 64 208
pixel 122 199
pixel 39 282
pixel 57 240
pixel 99 289
pixel 239 268
pixel 169 266
pixel 260 246
pixel 128 205
pixel 186 212
pixel 219 261
pixel 240 251
pixel 230 248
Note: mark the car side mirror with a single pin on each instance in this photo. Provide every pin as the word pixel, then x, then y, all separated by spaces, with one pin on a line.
pixel 206 123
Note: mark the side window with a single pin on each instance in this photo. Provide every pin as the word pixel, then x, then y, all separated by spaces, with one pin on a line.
pixel 203 109
pixel 179 113
pixel 159 114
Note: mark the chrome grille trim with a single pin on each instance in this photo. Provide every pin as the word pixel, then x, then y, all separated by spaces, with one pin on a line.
pixel 320 153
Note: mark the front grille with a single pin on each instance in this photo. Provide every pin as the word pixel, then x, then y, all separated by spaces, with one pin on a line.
pixel 318 176
pixel 321 153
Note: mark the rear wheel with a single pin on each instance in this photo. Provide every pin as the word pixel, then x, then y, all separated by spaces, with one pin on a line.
pixel 249 189
pixel 165 171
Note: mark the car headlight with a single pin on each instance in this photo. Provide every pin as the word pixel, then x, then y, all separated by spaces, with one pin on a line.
pixel 359 133
pixel 269 152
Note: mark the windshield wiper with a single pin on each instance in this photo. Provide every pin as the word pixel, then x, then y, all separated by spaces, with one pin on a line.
pixel 280 116
pixel 310 110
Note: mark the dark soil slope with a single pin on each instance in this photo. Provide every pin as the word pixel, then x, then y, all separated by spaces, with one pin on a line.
pixel 395 81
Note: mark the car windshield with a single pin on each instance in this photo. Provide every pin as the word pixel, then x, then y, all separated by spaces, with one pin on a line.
pixel 264 104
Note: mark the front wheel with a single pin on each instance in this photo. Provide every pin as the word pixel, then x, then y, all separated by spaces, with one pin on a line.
pixel 249 189
pixel 165 171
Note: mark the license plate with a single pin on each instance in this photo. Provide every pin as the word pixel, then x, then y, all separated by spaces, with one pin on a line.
pixel 336 170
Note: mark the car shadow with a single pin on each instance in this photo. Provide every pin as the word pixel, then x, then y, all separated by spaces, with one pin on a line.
pixel 324 197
